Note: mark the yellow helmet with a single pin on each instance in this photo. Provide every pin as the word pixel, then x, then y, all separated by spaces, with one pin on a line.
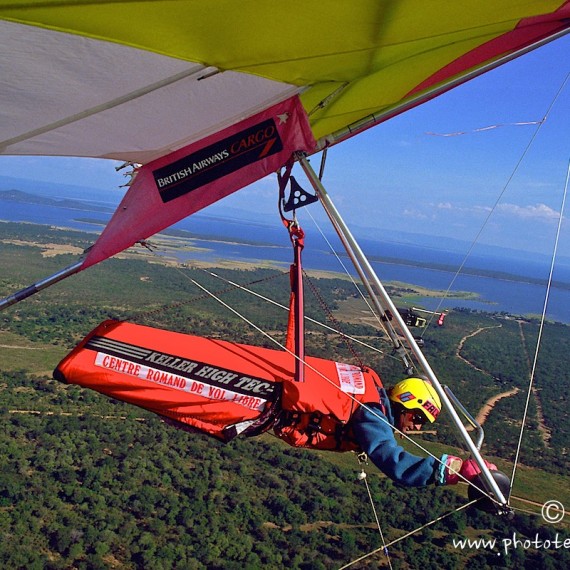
pixel 417 394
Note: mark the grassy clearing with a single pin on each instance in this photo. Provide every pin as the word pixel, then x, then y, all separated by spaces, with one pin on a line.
pixel 19 353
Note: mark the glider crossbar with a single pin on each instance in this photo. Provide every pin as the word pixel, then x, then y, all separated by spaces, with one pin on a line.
pixel 40 285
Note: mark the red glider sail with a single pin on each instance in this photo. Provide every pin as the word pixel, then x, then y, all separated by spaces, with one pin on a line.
pixel 174 186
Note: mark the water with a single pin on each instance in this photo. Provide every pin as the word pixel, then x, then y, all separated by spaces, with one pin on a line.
pixel 50 215
pixel 495 295
pixel 272 243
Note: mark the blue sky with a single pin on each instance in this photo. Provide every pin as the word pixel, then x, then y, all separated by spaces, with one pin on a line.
pixel 397 178
pixel 447 186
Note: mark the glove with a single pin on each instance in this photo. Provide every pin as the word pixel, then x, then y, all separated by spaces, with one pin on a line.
pixel 448 470
pixel 470 469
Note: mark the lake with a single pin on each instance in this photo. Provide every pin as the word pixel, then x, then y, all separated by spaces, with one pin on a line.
pixel 272 243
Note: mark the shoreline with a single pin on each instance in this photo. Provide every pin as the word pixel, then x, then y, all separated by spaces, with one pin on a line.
pixel 185 236
pixel 177 249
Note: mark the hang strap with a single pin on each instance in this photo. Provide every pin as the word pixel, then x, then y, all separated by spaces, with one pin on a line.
pixel 295 327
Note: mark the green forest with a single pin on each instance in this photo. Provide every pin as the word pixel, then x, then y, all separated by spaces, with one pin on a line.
pixel 89 482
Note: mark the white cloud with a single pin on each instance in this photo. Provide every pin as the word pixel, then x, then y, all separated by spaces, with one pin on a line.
pixel 536 212
pixel 462 209
pixel 416 214
pixel 540 185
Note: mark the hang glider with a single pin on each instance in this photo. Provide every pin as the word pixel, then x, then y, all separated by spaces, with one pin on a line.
pixel 205 98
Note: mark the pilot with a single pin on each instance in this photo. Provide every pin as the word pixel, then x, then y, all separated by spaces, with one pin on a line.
pixel 407 406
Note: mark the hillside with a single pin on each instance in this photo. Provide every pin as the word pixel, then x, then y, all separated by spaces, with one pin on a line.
pixel 88 482
pixel 28 198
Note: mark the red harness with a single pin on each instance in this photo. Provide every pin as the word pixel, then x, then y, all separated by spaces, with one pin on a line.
pixel 317 414
pixel 215 386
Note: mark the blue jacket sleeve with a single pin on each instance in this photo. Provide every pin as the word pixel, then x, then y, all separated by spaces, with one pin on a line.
pixel 375 436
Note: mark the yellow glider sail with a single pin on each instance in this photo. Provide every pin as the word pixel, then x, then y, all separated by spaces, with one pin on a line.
pixel 136 80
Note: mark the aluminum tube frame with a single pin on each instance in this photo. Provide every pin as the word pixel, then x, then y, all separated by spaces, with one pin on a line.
pixel 39 285
pixel 348 238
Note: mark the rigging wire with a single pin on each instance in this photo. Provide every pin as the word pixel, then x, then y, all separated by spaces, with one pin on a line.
pixel 363 477
pixel 534 513
pixel 411 533
pixel 320 374
pixel 419 529
pixel 361 293
pixel 483 492
pixel 314 321
pixel 381 418
pixel 347 272
pixel 176 305
pixel 333 319
pixel 363 405
pixel 542 321
pixel 540 124
pixel 488 128
pixel 385 546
